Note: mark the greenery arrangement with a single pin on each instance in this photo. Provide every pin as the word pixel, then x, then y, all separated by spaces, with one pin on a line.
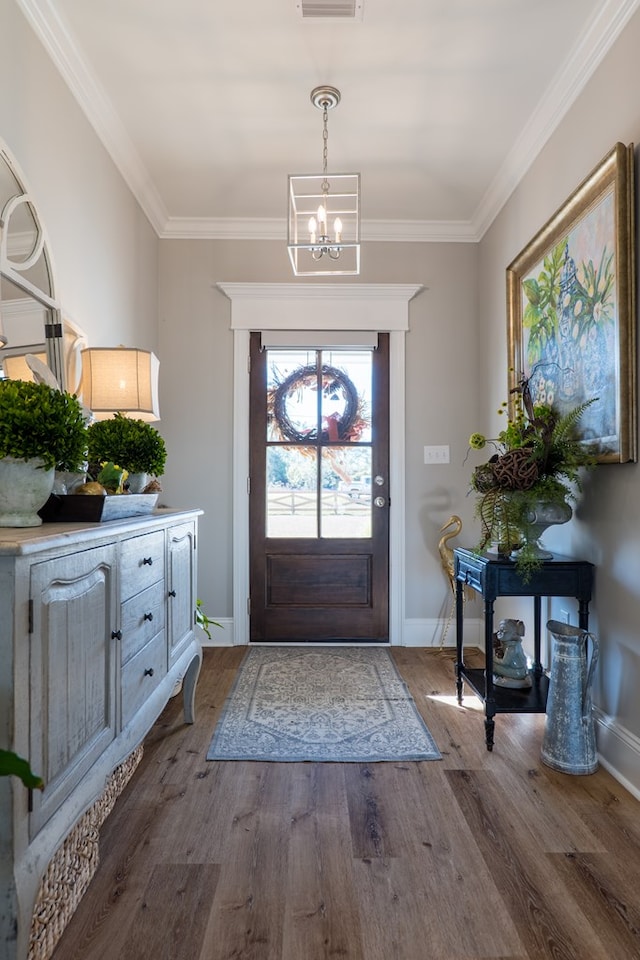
pixel 12 765
pixel 37 420
pixel 538 459
pixel 204 621
pixel 134 445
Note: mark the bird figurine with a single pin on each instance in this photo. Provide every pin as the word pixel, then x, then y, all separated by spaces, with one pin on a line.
pixel 453 527
pixel 450 529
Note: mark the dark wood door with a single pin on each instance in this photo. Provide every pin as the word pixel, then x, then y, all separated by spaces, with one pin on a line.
pixel 319 494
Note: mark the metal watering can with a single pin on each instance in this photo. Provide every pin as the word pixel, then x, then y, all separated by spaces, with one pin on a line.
pixel 569 742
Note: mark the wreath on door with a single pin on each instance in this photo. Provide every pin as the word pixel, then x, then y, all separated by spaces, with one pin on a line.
pixel 345 426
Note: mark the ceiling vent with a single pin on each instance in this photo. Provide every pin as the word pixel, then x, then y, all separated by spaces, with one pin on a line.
pixel 330 9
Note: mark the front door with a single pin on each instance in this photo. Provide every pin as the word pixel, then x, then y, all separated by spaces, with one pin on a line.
pixel 319 494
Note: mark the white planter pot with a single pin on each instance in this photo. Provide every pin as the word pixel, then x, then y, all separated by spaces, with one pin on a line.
pixel 24 488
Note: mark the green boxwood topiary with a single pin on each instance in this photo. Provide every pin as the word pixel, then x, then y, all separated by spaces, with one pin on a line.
pixel 37 420
pixel 132 444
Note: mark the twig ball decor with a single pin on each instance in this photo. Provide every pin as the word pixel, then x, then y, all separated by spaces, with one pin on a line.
pixel 333 381
pixel 515 470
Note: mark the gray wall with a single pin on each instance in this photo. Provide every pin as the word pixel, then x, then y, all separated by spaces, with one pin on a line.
pixel 606 529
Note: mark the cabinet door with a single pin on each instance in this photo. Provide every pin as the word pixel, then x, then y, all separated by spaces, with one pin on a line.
pixel 72 670
pixel 181 573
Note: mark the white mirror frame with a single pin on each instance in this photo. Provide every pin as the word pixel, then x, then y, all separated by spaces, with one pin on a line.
pixel 14 271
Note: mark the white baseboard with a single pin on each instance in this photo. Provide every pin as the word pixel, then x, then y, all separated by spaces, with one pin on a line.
pixel 219 637
pixel 416 633
pixel 618 752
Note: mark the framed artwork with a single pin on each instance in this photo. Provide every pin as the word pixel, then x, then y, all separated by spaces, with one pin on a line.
pixel 571 309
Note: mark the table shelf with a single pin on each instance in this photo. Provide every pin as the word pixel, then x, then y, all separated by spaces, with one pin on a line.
pixel 531 699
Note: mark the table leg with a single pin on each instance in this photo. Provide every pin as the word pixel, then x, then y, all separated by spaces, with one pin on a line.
pixel 459 643
pixel 489 727
pixel 189 688
pixel 489 698
pixel 537 628
pixel 583 614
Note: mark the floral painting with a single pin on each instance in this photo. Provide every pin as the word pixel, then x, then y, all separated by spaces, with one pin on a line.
pixel 569 324
pixel 572 309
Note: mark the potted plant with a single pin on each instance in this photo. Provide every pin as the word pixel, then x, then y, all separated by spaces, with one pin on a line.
pixel 135 446
pixel 204 621
pixel 531 478
pixel 41 429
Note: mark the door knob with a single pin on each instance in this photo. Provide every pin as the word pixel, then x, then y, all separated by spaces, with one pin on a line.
pixel 379 501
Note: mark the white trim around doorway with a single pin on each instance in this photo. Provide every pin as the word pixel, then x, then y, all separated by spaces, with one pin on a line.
pixel 293 306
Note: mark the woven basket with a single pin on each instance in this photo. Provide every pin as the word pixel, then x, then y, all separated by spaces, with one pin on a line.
pixel 72 866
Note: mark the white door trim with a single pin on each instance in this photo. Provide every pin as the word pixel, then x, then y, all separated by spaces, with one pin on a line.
pixel 294 306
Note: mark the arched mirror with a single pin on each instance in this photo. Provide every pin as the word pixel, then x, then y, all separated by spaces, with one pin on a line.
pixel 30 317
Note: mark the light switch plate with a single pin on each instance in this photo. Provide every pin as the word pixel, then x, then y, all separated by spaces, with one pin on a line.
pixel 437 454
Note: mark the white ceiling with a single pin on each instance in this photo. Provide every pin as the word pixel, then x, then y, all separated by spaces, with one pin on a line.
pixel 204 104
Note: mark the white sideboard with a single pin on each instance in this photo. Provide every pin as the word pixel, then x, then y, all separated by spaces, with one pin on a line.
pixel 96 632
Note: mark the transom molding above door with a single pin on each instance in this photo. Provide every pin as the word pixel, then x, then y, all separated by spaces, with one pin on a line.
pixel 356 306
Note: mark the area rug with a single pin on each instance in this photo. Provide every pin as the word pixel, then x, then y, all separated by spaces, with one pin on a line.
pixel 324 704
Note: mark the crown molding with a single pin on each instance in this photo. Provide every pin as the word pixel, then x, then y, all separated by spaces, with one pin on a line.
pixel 398 231
pixel 224 228
pixel 419 231
pixel 597 39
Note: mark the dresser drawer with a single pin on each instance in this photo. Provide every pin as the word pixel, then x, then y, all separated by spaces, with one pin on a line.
pixel 142 674
pixel 141 618
pixel 142 563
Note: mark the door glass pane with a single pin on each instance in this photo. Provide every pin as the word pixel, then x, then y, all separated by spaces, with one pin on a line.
pixel 346 492
pixel 346 395
pixel 292 395
pixel 319 419
pixel 292 492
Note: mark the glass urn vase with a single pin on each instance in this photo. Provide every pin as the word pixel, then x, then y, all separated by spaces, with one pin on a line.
pixel 538 518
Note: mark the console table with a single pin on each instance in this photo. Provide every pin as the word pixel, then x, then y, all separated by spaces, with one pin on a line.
pixel 493 576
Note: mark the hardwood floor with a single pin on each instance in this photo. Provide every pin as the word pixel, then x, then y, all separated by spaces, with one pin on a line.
pixel 480 855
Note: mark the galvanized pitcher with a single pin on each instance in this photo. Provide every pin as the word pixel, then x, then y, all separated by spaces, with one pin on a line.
pixel 569 742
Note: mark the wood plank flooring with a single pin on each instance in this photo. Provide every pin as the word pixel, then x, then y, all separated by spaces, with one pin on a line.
pixel 480 855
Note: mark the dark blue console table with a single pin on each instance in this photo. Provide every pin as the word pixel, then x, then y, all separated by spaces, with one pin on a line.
pixel 492 576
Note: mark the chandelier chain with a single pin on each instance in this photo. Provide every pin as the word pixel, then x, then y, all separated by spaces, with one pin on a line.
pixel 325 147
pixel 325 137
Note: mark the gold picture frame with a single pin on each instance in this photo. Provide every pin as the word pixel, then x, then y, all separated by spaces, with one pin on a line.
pixel 571 309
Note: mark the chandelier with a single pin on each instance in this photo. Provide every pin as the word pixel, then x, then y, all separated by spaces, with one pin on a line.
pixel 324 211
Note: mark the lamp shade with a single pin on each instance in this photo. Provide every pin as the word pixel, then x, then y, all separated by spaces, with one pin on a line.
pixel 120 380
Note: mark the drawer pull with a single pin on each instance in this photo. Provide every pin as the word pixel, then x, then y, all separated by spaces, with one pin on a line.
pixel 148 616
pixel 172 593
pixel 148 672
pixel 116 634
pixel 147 560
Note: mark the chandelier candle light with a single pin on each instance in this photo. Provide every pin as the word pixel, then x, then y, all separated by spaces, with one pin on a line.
pixel 324 212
